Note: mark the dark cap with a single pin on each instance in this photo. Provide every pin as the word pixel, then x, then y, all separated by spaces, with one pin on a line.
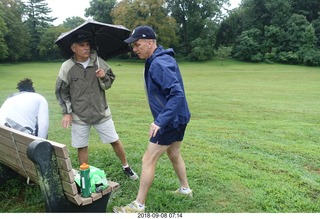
pixel 79 38
pixel 141 32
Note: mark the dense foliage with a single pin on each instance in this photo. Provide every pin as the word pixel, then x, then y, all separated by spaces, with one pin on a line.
pixel 284 31
pixel 273 31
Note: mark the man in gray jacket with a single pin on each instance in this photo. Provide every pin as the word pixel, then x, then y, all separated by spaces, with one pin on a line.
pixel 80 90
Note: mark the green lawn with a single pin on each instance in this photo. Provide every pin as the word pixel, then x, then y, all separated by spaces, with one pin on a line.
pixel 252 145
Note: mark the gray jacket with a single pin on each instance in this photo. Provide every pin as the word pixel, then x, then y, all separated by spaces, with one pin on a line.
pixel 81 93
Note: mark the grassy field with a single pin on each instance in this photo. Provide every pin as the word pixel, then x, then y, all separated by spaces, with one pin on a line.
pixel 252 145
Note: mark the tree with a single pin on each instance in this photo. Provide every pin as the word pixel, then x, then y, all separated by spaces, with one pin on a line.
pixel 309 8
pixel 47 48
pixel 255 14
pixel 279 12
pixel 196 19
pixel 308 55
pixel 73 22
pixel 248 46
pixel 223 52
pixel 37 20
pixel 295 30
pixel 285 31
pixel 3 31
pixel 132 13
pixel 273 37
pixel 316 25
pixel 310 38
pixel 230 28
pixel 18 46
pixel 100 10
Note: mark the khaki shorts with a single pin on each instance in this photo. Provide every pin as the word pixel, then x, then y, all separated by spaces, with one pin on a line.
pixel 80 133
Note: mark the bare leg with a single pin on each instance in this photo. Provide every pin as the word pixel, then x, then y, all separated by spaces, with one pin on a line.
pixel 119 150
pixel 83 155
pixel 178 163
pixel 149 162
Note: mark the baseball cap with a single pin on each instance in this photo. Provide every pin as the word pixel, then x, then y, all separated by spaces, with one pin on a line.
pixel 79 38
pixel 141 32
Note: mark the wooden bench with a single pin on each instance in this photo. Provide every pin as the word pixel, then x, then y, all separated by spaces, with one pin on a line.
pixel 47 163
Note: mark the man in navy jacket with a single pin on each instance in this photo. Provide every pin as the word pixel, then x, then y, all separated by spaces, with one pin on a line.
pixel 169 107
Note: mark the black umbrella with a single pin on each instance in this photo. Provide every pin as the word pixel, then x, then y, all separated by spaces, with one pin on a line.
pixel 108 39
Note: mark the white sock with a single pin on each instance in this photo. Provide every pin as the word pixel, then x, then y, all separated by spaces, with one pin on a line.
pixel 140 206
pixel 124 167
pixel 185 190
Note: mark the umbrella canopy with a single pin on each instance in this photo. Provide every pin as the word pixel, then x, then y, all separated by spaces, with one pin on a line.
pixel 107 39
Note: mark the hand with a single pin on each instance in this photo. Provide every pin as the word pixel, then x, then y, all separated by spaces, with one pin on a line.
pixel 66 120
pixel 153 130
pixel 100 73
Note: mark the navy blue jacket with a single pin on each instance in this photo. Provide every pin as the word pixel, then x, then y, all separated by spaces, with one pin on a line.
pixel 165 90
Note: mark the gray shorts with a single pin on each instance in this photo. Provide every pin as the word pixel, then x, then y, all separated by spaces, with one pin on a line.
pixel 80 133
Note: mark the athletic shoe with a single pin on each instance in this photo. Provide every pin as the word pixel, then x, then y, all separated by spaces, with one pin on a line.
pixel 130 208
pixel 184 191
pixel 130 173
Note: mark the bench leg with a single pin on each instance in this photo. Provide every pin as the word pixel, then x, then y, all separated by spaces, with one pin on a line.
pixel 42 154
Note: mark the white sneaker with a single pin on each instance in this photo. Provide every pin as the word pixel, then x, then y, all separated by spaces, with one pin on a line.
pixel 184 191
pixel 130 208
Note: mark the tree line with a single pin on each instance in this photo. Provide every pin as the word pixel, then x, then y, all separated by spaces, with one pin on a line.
pixel 284 31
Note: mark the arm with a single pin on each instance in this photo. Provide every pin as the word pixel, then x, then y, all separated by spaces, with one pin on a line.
pixel 43 118
pixel 62 92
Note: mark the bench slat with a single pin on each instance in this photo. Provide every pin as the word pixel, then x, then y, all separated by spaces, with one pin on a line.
pixel 113 185
pixel 96 196
pixel 64 164
pixel 76 199
pixel 70 188
pixel 9 143
pixel 33 177
pixel 66 175
pixel 6 141
pixel 10 156
pixel 86 201
pixel 60 150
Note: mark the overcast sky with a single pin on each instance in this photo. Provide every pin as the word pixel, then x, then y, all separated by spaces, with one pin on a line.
pixel 63 9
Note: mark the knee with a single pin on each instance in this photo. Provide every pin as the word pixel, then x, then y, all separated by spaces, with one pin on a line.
pixel 173 155
pixel 148 160
pixel 83 149
pixel 116 143
pixel 144 159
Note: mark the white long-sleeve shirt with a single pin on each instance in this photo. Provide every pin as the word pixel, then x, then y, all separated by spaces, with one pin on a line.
pixel 27 109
